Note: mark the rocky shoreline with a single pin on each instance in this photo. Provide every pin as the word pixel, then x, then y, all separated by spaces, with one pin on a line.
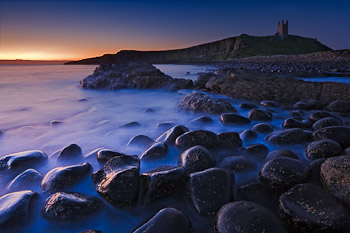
pixel 290 191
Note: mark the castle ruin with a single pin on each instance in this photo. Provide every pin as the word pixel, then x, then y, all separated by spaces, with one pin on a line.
pixel 282 29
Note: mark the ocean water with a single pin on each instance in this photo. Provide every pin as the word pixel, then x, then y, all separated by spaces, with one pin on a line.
pixel 31 96
pixel 328 79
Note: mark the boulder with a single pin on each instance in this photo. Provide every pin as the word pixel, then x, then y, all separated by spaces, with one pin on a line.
pixel 68 207
pixel 196 158
pixel 170 136
pixel 269 104
pixel 22 160
pixel 246 217
pixel 15 209
pixel 335 177
pixel 26 180
pixel 203 120
pixel 317 115
pixel 324 148
pixel 308 208
pixel 140 140
pixel 64 178
pixel 259 115
pixel 237 164
pixel 162 183
pixel 198 102
pixel 256 151
pixel 262 128
pixel 283 173
pixel 248 135
pixel 310 104
pixel 165 125
pixel 339 106
pixel 118 180
pixel 105 154
pixel 197 137
pixel 129 125
pixel 340 134
pixel 168 220
pixel 289 136
pixel 326 122
pixel 294 123
pixel 70 152
pixel 230 139
pixel 233 119
pixel 247 106
pixel 282 153
pixel 157 151
pixel 316 170
pixel 210 189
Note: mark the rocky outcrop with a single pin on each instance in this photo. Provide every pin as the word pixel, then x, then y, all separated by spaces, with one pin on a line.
pixel 132 75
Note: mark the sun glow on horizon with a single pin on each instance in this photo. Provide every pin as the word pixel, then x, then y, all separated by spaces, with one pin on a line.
pixel 36 56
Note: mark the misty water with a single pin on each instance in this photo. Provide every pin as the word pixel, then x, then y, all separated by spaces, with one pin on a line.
pixel 328 79
pixel 32 96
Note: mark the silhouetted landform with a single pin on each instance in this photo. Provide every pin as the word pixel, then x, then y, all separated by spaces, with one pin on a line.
pixel 32 62
pixel 234 47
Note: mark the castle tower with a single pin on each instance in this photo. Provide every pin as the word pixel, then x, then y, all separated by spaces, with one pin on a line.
pixel 282 29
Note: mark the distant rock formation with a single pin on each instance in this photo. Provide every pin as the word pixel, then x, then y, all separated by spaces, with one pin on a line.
pixel 234 47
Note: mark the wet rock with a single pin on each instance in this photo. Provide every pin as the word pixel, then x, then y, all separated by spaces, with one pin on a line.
pixel 259 115
pixel 316 169
pixel 282 153
pixel 172 134
pixel 196 158
pixel 154 152
pixel 294 123
pixel 324 148
pixel 237 164
pixel 247 106
pixel 248 135
pixel 133 124
pixel 308 104
pixel 340 134
pixel 160 184
pixel 197 137
pixel 230 139
pixel 269 104
pixel 82 100
pixel 258 193
pixel 308 208
pixel 140 140
pixel 22 160
pixel 317 115
pixel 26 180
pixel 70 152
pixel 165 125
pixel 246 217
pixel 55 122
pixel 256 151
pixel 289 136
pixel 198 102
pixel 335 177
pixel 283 173
pixel 92 231
pixel 209 190
pixel 118 180
pixel 63 206
pixel 15 209
pixel 339 106
pixel 201 120
pixel 233 119
pixel 262 128
pixel 168 220
pixel 150 110
pixel 63 178
pixel 326 122
pixel 105 154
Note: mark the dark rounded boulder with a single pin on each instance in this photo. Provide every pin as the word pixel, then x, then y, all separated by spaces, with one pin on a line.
pixel 294 123
pixel 130 125
pixel 262 128
pixel 141 141
pixel 339 106
pixel 317 115
pixel 168 220
pixel 118 180
pixel 70 152
pixel 63 178
pixel 283 173
pixel 340 134
pixel 210 189
pixel 197 137
pixel 201 121
pixel 308 208
pixel 310 104
pixel 248 135
pixel 247 106
pixel 15 209
pixel 196 159
pixel 157 151
pixel 282 153
pixel 269 104
pixel 26 180
pixel 198 102
pixel 237 163
pixel 246 217
pixel 230 139
pixel 22 160
pixel 259 115
pixel 104 155
pixel 326 122
pixel 256 151
pixel 170 136
pixel 335 177
pixel 324 148
pixel 233 119
pixel 63 206
pixel 289 136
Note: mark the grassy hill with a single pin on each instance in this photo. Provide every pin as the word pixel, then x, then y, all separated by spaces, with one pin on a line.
pixel 234 47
